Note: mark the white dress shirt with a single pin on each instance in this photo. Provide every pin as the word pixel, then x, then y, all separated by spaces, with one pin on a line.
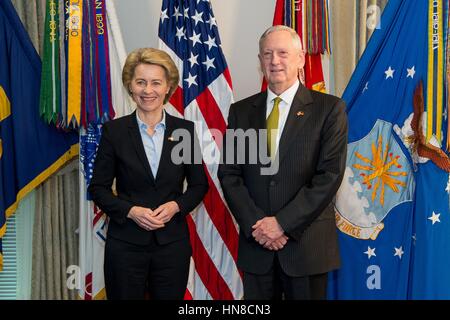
pixel 153 144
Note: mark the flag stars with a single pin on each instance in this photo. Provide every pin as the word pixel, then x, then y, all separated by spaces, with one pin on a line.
pixel 435 217
pixel 193 60
pixel 191 80
pixel 370 252
pixel 186 13
pixel 177 13
pixel 164 15
pixel 398 252
pixel 366 87
pixel 389 73
pixel 212 22
pixel 209 63
pixel 180 33
pixel 197 17
pixel 195 38
pixel 211 42
pixel 411 72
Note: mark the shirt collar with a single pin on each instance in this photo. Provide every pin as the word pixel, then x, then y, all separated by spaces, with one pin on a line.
pixel 287 96
pixel 142 125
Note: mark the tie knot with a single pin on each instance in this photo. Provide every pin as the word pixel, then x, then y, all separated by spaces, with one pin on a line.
pixel 276 101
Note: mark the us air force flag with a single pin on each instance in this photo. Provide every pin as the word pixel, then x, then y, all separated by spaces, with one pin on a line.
pixel 392 209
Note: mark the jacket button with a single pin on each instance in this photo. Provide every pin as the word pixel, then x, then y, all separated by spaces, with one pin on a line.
pixel 273 183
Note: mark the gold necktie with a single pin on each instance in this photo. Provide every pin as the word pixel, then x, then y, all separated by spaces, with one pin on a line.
pixel 272 124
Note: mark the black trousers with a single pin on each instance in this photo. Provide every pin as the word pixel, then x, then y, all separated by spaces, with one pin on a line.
pixel 158 271
pixel 276 285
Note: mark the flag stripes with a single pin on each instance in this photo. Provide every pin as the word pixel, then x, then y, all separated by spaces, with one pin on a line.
pixel 188 32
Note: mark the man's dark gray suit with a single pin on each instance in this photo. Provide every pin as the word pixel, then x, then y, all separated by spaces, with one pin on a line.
pixel 312 156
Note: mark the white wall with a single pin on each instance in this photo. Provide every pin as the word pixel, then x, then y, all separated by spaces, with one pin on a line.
pixel 240 22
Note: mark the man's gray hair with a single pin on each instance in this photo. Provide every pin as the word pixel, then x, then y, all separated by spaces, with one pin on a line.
pixel 295 37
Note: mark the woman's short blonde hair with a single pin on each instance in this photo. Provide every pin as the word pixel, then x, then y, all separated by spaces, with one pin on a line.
pixel 151 56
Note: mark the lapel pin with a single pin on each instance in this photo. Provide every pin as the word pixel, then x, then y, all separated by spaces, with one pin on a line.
pixel 170 138
pixel 300 114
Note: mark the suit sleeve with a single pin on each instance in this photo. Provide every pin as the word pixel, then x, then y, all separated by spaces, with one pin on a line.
pixel 197 183
pixel 235 192
pixel 314 197
pixel 102 180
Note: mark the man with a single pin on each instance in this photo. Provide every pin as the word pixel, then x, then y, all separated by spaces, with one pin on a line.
pixel 288 239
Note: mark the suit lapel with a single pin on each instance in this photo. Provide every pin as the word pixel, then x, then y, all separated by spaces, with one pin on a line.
pixel 136 139
pixel 257 119
pixel 299 113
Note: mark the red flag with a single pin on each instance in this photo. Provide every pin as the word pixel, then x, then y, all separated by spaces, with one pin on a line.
pixel 313 72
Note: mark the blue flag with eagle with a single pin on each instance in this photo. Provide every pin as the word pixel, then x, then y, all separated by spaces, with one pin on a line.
pixel 392 209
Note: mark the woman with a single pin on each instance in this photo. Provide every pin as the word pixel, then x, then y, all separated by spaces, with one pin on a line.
pixel 148 238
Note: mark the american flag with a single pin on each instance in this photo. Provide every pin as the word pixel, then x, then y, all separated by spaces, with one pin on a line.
pixel 188 32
